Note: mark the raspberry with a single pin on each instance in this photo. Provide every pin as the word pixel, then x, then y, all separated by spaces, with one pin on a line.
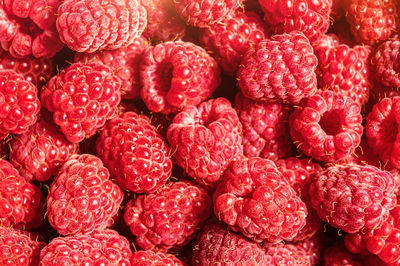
pixel 100 248
pixel 149 257
pixel 232 38
pixel 206 139
pixel 265 128
pixel 20 201
pixel 282 66
pixel 308 16
pixel 41 151
pixel 177 74
pixel 168 218
pixel 386 63
pixel 124 62
pixel 342 69
pixel 327 126
pixel 337 255
pixel 82 199
pixel 286 254
pixel 200 13
pixel 312 248
pixel 135 153
pixel 353 197
pixel 81 98
pixel 254 198
pixel 90 25
pixel 216 245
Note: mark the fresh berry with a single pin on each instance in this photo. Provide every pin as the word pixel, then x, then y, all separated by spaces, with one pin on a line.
pixel 254 198
pixel 135 153
pixel 90 25
pixel 286 254
pixel 386 63
pixel 327 126
pixel 82 199
pixel 81 98
pixel 168 218
pixel 176 74
pixel 149 257
pixel 312 247
pixel 206 139
pixel 282 66
pixel 337 255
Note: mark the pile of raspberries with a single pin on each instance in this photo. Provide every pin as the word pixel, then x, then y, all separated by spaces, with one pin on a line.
pixel 200 132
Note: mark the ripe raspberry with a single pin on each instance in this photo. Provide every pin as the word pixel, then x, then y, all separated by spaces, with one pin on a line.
pixel 353 197
pixel 286 254
pixel 168 218
pixel 82 199
pixel 327 126
pixel 216 245
pixel 124 62
pixel 386 63
pixel 265 128
pixel 135 153
pixel 282 66
pixel 200 13
pixel 82 97
pixel 41 151
pixel 343 69
pixel 100 248
pixel 337 255
pixel 254 198
pixel 206 139
pixel 177 74
pixel 308 16
pixel 312 247
pixel 232 38
pixel 149 257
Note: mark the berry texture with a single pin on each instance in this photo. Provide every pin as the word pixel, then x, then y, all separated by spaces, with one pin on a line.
pixel 41 151
pixel 327 126
pixel 286 254
pixel 254 198
pixel 82 199
pixel 168 218
pixel 282 66
pixel 265 127
pixel 149 257
pixel 90 25
pixel 101 248
pixel 135 153
pixel 338 255
pixel 82 97
pixel 353 197
pixel 386 63
pixel 177 74
pixel 206 139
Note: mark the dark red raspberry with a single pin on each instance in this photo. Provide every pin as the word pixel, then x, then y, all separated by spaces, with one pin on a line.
pixel 206 139
pixel 149 257
pixel 353 197
pixel 254 198
pixel 308 16
pixel 82 199
pixel 176 74
pixel 168 218
pixel 90 25
pixel 81 98
pixel 386 63
pixel 282 66
pixel 100 248
pixel 230 39
pixel 327 126
pixel 135 153
pixel 337 255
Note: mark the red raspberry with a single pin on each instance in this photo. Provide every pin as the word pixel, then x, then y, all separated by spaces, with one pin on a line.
pixel 20 201
pixel 124 62
pixel 216 245
pixel 312 247
pixel 82 199
pixel 286 254
pixel 337 255
pixel 81 98
pixel 41 151
pixel 90 25
pixel 353 197
pixel 265 128
pixel 177 74
pixel 254 198
pixel 149 257
pixel 308 16
pixel 100 248
pixel 343 69
pixel 200 13
pixel 232 38
pixel 135 153
pixel 168 218
pixel 283 66
pixel 327 126
pixel 386 63
pixel 206 139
